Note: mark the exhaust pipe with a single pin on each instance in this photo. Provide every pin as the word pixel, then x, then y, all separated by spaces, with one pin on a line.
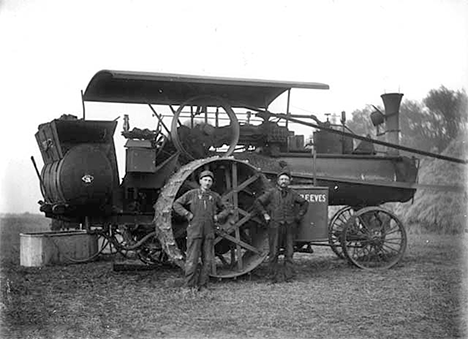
pixel 392 103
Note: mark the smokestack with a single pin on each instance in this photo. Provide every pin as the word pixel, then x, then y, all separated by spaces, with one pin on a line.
pixel 392 103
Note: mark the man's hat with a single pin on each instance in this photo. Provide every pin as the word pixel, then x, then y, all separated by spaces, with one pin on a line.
pixel 284 171
pixel 207 174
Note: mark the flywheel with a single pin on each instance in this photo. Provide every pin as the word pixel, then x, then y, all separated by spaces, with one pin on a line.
pixel 241 242
pixel 195 143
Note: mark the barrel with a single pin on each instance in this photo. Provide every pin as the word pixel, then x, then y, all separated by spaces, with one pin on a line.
pixel 84 176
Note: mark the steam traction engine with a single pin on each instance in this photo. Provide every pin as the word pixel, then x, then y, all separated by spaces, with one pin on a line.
pixel 224 125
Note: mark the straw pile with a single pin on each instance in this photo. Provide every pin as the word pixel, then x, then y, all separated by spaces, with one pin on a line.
pixel 441 210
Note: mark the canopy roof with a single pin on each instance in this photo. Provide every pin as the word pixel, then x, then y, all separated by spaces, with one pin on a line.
pixel 175 89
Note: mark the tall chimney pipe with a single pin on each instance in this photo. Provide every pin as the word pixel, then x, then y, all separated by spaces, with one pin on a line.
pixel 392 103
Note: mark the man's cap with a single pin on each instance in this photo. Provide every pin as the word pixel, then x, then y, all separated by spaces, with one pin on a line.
pixel 284 171
pixel 207 174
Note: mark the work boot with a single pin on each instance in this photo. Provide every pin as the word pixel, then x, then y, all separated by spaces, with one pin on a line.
pixel 203 288
pixel 189 290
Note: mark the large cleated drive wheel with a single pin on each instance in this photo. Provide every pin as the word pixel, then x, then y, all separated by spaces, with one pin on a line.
pixel 335 229
pixel 373 238
pixel 241 242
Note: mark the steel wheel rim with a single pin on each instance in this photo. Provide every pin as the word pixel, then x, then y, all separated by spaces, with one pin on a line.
pixel 335 229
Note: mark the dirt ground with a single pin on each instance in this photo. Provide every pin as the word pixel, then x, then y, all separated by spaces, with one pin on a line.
pixel 424 296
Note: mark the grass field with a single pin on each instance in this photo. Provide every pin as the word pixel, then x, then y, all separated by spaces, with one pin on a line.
pixel 425 296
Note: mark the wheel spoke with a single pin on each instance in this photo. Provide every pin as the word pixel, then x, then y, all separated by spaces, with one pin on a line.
pixel 251 216
pixel 394 231
pixel 230 228
pixel 235 201
pixel 220 257
pixel 390 249
pixel 236 240
pixel 235 190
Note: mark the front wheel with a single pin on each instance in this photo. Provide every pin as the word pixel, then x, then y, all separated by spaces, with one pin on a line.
pixel 374 238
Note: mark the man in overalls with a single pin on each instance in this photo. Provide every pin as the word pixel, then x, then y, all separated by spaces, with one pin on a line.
pixel 202 207
pixel 283 208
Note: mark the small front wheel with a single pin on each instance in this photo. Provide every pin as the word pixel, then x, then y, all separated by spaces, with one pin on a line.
pixel 373 238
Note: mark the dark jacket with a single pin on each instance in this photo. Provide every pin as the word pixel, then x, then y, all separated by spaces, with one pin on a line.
pixel 204 206
pixel 283 206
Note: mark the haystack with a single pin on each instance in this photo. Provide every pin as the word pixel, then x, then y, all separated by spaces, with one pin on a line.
pixel 442 209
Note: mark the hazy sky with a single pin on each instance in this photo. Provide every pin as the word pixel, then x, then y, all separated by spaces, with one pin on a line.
pixel 49 50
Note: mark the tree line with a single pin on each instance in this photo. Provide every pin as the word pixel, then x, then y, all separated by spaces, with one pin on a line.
pixel 429 125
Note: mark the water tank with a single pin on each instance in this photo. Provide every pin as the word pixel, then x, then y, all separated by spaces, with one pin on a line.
pixel 332 143
pixel 328 143
pixel 84 176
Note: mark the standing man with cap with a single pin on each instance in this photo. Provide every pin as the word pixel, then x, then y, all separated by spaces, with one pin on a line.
pixel 202 207
pixel 282 208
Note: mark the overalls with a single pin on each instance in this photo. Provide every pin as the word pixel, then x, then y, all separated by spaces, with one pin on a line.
pixel 204 205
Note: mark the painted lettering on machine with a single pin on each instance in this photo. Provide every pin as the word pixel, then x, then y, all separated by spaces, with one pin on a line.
pixel 310 197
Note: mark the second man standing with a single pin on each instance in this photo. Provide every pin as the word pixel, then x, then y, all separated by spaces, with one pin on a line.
pixel 282 208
